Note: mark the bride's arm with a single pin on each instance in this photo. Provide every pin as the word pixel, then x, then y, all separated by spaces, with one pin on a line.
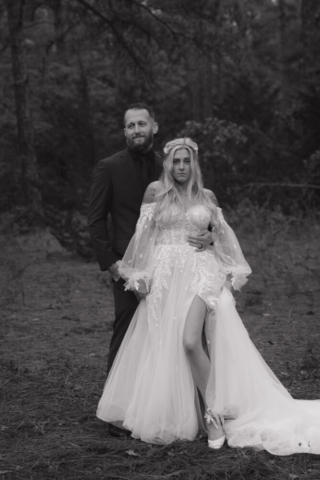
pixel 151 192
pixel 142 287
pixel 136 267
pixel 228 248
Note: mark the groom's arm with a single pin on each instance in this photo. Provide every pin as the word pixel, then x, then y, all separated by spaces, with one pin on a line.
pixel 99 208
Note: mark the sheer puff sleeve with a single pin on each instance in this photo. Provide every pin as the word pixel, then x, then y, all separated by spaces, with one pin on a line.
pixel 228 248
pixel 137 263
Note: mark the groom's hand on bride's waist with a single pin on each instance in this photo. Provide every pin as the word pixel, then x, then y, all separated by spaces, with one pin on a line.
pixel 200 241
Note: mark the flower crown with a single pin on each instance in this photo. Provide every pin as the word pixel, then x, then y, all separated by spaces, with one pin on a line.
pixel 180 142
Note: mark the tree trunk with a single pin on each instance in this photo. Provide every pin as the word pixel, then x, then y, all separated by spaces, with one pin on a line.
pixel 194 86
pixel 199 66
pixel 85 109
pixel 283 53
pixel 310 36
pixel 57 9
pixel 24 124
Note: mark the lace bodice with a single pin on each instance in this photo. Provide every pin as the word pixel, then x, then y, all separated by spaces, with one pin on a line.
pixel 161 242
pixel 181 224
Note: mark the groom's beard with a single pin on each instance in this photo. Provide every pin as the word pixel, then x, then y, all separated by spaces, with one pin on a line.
pixel 143 146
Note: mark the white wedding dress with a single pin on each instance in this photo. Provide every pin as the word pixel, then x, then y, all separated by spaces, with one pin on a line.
pixel 150 389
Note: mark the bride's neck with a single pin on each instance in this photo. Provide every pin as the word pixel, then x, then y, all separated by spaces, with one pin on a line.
pixel 182 189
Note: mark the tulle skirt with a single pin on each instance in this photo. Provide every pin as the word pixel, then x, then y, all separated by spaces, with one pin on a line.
pixel 150 389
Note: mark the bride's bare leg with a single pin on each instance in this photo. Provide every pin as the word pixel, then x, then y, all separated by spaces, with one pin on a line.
pixel 198 360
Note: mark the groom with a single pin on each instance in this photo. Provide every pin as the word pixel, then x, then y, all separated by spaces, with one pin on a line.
pixel 118 186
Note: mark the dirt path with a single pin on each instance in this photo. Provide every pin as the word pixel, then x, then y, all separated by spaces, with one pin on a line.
pixel 56 317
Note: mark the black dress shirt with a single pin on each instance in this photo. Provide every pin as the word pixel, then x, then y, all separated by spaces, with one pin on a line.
pixel 144 164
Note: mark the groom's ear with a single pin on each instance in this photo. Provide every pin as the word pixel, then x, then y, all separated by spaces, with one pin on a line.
pixel 155 127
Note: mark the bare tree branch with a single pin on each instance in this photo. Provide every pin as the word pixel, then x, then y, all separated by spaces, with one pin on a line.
pixel 144 7
pixel 115 31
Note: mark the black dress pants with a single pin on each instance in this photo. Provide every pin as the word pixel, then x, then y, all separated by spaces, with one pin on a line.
pixel 125 303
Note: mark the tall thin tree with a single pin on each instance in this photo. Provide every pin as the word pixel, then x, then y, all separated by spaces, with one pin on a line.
pixel 27 153
pixel 310 36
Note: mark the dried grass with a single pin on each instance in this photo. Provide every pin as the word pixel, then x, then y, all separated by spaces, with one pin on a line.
pixel 56 323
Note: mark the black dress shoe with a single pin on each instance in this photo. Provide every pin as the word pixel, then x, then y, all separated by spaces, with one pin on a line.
pixel 118 432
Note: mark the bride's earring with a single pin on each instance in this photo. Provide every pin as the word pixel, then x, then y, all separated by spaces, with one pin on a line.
pixel 217 422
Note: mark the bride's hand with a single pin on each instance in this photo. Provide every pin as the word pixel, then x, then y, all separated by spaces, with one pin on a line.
pixel 201 241
pixel 228 283
pixel 142 291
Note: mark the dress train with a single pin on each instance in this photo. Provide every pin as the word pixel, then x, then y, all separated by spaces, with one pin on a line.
pixel 259 411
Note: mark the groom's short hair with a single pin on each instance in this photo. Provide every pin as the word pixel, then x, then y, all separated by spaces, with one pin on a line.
pixel 139 106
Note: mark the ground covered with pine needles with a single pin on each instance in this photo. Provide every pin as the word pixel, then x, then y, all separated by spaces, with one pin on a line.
pixel 56 322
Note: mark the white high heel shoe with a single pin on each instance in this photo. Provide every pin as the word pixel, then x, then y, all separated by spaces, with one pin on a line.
pixel 216 444
pixel 217 421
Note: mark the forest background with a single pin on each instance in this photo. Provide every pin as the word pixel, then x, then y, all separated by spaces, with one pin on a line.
pixel 242 78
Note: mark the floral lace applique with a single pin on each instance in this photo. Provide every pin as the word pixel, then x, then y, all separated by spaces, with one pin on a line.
pixel 164 269
pixel 146 214
pixel 204 283
pixel 172 251
pixel 133 282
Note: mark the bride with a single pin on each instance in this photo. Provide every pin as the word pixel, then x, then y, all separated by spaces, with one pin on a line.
pixel 187 364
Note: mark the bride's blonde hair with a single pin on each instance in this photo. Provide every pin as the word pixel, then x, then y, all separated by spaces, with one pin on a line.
pixel 169 194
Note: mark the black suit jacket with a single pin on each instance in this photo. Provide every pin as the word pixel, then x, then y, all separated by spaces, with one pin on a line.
pixel 115 189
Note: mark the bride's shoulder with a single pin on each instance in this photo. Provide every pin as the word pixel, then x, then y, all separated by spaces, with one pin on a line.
pixel 152 191
pixel 211 196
